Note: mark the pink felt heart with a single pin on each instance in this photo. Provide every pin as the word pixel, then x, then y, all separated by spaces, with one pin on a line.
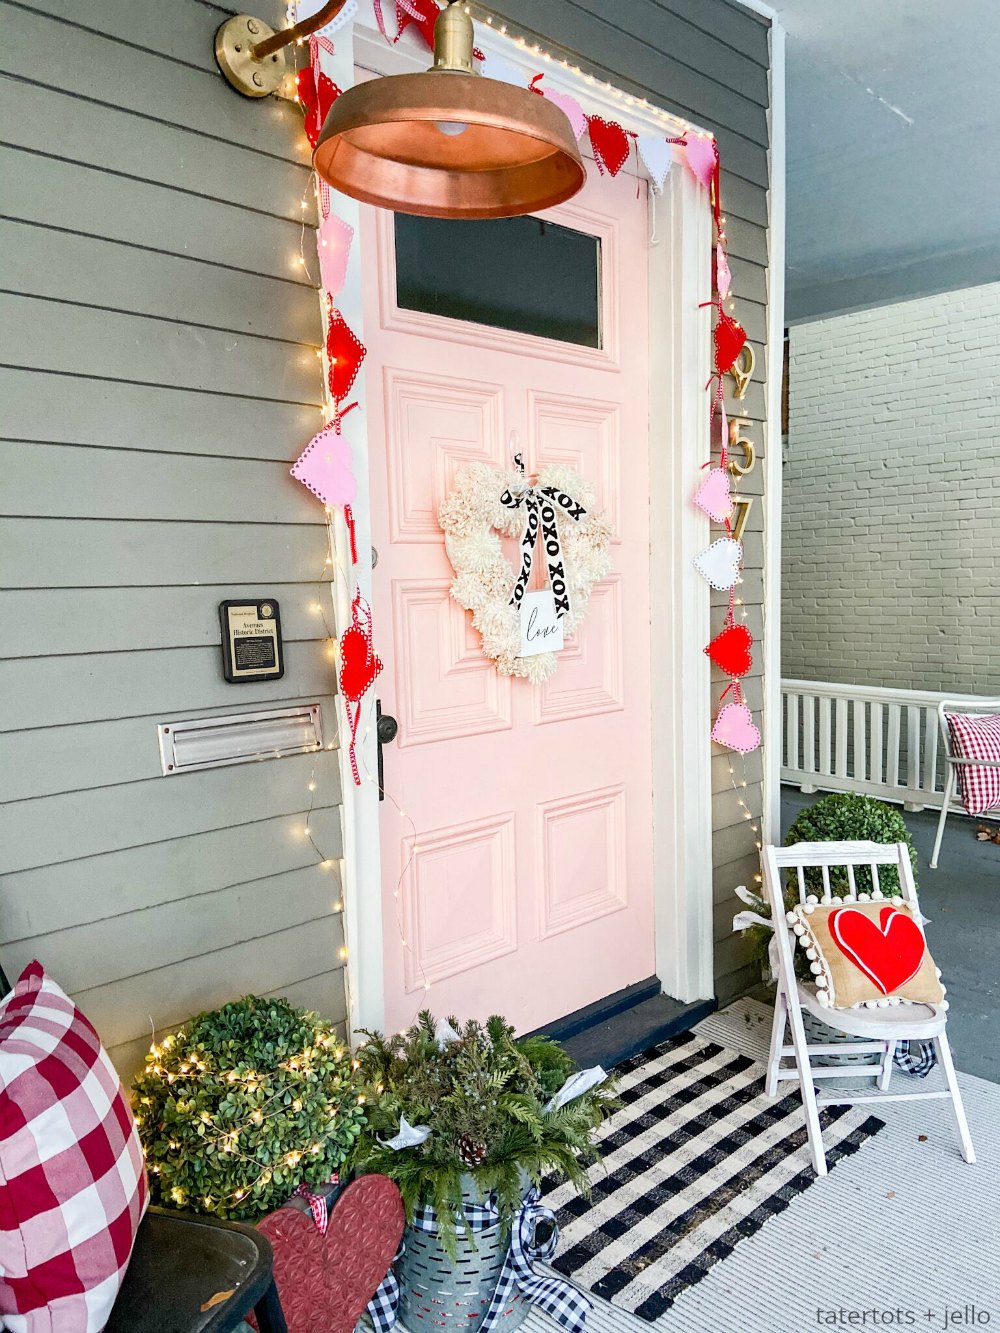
pixel 734 728
pixel 730 650
pixel 712 495
pixel 609 142
pixel 334 248
pixel 723 277
pixel 325 467
pixel 575 113
pixel 888 951
pixel 701 156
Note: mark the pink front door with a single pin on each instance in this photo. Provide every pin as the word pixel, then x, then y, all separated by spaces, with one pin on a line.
pixel 518 878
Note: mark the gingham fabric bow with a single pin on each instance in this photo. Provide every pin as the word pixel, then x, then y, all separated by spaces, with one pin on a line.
pixel 317 1203
pixel 540 504
pixel 557 1298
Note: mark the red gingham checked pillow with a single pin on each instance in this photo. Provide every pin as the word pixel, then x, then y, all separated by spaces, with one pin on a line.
pixel 72 1176
pixel 976 736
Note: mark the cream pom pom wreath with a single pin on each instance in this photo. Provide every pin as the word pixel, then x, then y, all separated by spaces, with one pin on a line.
pixel 474 519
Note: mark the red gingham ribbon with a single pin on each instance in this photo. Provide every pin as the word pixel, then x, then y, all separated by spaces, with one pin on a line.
pixel 317 1203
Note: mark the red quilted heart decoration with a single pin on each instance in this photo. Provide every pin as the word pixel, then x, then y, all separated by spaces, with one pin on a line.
pixel 359 664
pixel 730 650
pixel 317 96
pixel 730 337
pixel 888 951
pixel 609 142
pixel 345 352
pixel 325 1281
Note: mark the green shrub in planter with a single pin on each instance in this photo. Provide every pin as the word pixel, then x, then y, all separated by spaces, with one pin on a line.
pixel 842 817
pixel 484 1096
pixel 244 1103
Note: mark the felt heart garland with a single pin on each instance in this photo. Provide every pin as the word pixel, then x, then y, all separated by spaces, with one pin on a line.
pixel 359 666
pixel 721 562
pixel 610 144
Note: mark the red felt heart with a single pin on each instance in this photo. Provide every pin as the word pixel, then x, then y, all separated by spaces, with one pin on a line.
pixel 344 352
pixel 359 664
pixel 730 337
pixel 888 951
pixel 428 11
pixel 325 1282
pixel 610 143
pixel 730 650
pixel 316 98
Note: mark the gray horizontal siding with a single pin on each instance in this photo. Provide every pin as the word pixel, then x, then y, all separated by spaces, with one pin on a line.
pixel 158 340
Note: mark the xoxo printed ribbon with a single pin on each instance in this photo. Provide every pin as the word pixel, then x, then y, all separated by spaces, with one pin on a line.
pixel 540 504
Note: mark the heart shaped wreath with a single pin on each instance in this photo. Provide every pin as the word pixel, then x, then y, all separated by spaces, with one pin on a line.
pixel 486 504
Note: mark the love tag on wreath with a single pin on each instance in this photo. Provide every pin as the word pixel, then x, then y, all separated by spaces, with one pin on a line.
pixel 553 517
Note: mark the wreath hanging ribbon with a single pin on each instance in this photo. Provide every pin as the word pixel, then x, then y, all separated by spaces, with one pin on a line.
pixel 539 503
pixel 529 1244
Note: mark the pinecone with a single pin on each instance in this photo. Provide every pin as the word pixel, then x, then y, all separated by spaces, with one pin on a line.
pixel 470 1153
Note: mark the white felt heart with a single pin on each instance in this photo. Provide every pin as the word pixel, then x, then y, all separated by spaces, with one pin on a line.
pixel 720 563
pixel 658 157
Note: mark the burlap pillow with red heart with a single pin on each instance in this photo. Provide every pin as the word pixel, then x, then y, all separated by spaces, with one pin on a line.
pixel 867 953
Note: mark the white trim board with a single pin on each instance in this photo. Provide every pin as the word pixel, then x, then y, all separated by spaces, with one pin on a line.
pixel 679 277
pixel 771 815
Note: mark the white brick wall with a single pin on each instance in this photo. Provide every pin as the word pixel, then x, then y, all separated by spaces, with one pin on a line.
pixel 891 522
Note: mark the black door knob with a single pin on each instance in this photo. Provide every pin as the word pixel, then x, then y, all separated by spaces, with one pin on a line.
pixel 386 728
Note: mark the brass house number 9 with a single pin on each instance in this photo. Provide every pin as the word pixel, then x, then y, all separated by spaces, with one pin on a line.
pixel 746 453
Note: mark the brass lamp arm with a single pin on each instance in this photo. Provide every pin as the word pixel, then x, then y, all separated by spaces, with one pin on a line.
pixel 304 29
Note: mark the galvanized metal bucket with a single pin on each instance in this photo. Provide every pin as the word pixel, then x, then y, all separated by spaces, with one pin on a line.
pixel 823 1034
pixel 436 1291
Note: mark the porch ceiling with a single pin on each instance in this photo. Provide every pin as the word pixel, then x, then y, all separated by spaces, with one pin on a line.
pixel 892 127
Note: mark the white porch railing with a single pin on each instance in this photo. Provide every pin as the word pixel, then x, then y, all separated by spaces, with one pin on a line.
pixel 865 739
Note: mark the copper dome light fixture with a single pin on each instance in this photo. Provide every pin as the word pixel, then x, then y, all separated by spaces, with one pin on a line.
pixel 447 143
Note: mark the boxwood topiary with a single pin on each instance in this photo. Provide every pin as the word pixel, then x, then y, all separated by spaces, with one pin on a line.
pixel 243 1103
pixel 845 817
pixel 842 817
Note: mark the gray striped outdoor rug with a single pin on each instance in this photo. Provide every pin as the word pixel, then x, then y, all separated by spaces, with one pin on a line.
pixel 696 1160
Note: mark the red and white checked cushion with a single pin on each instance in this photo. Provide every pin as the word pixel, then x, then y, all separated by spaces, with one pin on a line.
pixel 72 1176
pixel 976 736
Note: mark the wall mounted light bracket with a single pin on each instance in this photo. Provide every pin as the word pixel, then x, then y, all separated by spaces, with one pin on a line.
pixel 253 57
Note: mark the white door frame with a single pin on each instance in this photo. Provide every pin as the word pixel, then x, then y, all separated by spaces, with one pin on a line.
pixel 679 339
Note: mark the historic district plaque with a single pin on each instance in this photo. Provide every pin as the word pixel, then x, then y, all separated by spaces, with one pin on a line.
pixel 251 641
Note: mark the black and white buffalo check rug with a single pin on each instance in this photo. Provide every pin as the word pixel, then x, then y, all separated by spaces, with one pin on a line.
pixel 696 1160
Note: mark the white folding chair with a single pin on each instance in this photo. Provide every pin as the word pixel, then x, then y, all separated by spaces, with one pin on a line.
pixel 880 1029
pixel 969 707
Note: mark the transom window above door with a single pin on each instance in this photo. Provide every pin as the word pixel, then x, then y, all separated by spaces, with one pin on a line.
pixel 524 274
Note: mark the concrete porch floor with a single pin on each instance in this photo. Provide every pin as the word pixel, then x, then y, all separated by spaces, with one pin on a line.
pixel 962 901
